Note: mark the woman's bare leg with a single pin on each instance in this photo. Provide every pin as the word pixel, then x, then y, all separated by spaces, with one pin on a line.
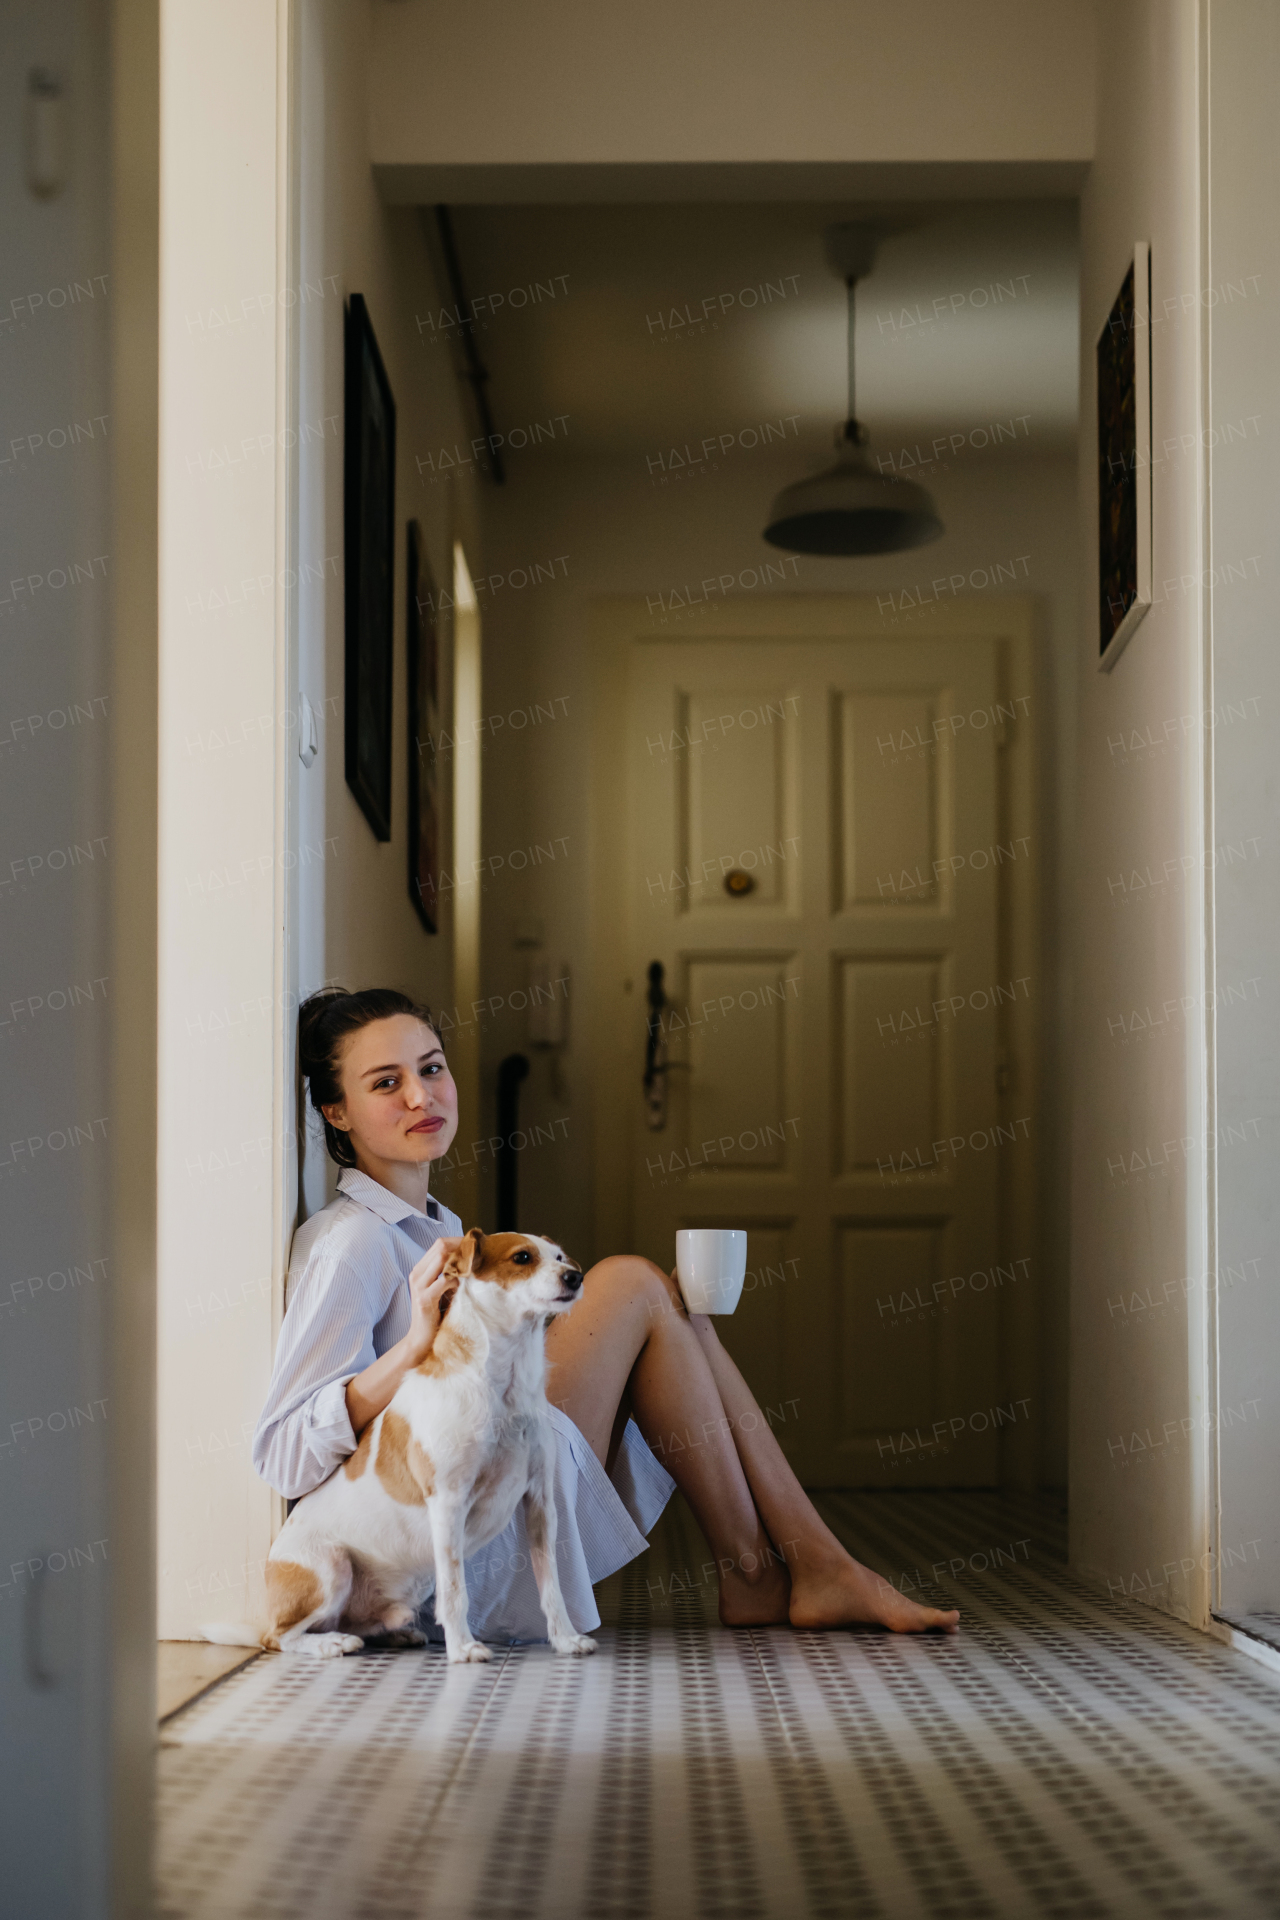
pixel 630 1334
pixel 623 1339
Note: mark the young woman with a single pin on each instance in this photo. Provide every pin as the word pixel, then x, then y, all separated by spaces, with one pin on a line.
pixel 628 1361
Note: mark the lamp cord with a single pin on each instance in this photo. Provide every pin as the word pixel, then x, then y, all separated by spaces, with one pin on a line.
pixel 850 284
pixel 852 432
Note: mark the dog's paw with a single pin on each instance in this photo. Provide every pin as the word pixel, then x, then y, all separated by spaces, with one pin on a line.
pixel 330 1646
pixel 469 1650
pixel 389 1639
pixel 572 1643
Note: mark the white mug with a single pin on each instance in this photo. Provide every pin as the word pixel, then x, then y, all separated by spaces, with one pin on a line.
pixel 711 1265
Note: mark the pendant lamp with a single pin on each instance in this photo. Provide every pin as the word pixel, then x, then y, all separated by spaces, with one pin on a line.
pixel 852 508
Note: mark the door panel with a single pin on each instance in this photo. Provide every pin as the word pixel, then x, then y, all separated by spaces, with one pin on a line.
pixel 737 1018
pixel 884 1385
pixel 822 1093
pixel 887 827
pixel 888 1100
pixel 736 786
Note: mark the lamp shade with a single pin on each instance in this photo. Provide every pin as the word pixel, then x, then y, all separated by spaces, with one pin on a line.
pixel 852 509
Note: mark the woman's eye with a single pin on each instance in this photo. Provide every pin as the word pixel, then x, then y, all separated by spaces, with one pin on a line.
pixel 378 1084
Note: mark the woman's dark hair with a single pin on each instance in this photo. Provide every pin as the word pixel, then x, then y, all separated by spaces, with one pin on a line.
pixel 326 1022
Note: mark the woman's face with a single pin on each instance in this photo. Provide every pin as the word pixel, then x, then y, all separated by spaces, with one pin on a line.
pixel 399 1103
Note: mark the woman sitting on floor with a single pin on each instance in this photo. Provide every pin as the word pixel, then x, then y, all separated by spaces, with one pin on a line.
pixel 628 1361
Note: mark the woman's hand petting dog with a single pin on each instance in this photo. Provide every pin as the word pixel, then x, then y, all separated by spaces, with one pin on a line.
pixel 430 1292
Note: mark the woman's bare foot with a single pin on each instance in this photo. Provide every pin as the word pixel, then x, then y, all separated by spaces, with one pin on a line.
pixel 755 1597
pixel 843 1593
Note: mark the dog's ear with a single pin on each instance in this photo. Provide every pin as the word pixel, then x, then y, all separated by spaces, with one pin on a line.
pixel 466 1256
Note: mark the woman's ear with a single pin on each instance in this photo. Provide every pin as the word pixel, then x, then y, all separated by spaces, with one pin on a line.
pixel 336 1115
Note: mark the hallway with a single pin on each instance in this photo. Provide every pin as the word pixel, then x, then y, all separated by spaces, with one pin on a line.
pixel 728 553
pixel 1063 1756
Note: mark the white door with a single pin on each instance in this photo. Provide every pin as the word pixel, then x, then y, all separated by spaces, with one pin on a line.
pixel 815 863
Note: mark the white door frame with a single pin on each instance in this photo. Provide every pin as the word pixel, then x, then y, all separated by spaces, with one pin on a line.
pixel 226 1160
pixel 619 623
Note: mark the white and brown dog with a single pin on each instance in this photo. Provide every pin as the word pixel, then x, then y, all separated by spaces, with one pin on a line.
pixel 435 1476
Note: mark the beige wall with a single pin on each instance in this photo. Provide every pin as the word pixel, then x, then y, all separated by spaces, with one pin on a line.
pixel 355 921
pixel 737 81
pixel 608 530
pixel 1140 1098
pixel 271 880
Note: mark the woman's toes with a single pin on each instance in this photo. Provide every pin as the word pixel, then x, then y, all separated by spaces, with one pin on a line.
pixel 904 1616
pixel 851 1595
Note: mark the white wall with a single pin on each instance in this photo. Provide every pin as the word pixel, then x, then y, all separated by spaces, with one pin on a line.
pixel 1138 1499
pixel 271 879
pixel 609 530
pixel 1243 402
pixel 223 417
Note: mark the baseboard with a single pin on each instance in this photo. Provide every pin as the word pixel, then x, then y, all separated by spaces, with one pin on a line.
pixel 1244 1642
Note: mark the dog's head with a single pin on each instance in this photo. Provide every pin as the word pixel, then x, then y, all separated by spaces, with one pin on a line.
pixel 537 1277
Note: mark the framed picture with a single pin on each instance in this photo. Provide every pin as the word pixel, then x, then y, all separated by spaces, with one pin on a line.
pixel 424 733
pixel 1124 462
pixel 369 485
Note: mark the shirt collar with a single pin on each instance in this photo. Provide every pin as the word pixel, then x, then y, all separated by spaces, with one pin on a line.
pixel 380 1200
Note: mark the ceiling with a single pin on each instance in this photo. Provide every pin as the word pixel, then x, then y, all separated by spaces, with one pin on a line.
pixel 663 328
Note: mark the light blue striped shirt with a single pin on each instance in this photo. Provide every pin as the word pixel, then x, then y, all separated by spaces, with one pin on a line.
pixel 346 1302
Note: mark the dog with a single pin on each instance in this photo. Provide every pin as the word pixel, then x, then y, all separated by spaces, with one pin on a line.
pixel 436 1476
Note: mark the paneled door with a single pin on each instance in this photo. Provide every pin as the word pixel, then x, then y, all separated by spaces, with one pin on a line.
pixel 815 865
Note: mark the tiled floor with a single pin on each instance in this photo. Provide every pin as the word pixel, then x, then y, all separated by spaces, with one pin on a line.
pixel 1062 1756
pixel 187 1668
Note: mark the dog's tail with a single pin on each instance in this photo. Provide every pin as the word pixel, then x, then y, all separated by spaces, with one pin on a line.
pixel 231 1633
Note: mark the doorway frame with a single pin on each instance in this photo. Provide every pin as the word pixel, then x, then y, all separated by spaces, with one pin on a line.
pixel 619 623
pixel 226 1173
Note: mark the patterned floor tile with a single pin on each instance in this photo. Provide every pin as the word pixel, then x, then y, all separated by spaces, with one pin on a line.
pixel 1061 1756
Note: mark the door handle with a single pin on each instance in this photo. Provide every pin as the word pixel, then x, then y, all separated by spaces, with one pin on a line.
pixel 655 1052
pixel 37 1674
pixel 656 1064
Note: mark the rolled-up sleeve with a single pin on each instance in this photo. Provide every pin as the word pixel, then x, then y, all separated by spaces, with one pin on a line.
pixel 327 1337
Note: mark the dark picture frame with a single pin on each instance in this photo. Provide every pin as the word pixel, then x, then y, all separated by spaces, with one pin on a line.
pixel 422 632
pixel 369 485
pixel 1124 462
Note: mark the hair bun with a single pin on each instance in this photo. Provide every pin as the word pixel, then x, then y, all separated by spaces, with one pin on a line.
pixel 313 1015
